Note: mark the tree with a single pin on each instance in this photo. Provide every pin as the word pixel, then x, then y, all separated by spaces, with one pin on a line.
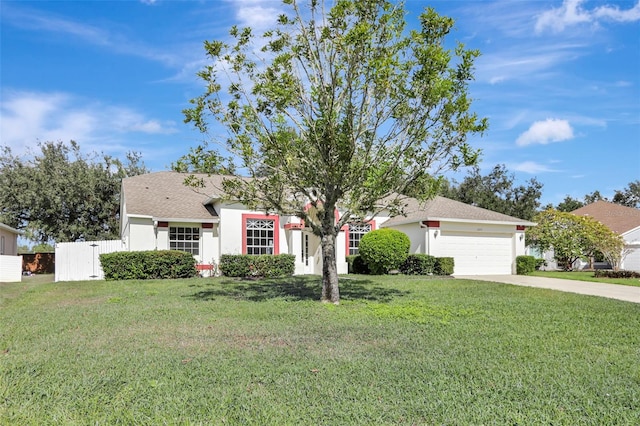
pixel 43 248
pixel 569 204
pixel 572 237
pixel 496 191
pixel 629 196
pixel 593 197
pixel 339 107
pixel 62 195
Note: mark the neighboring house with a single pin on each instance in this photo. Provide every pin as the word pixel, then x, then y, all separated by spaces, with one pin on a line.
pixel 159 212
pixel 621 220
pixel 10 262
pixel 8 240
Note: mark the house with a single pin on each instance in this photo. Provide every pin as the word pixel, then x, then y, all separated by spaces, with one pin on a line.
pixel 159 212
pixel 621 220
pixel 10 262
pixel 482 242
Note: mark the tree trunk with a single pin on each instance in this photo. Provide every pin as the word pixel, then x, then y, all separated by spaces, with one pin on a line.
pixel 330 289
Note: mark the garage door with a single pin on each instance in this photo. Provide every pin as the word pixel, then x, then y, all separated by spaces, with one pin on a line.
pixel 631 262
pixel 477 254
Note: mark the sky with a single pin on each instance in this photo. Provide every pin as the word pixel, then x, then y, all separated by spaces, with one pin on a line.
pixel 559 81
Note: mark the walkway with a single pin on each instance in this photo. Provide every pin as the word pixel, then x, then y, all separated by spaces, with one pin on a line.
pixel 612 291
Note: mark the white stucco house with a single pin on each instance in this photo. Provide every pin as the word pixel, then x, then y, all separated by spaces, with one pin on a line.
pixel 159 212
pixel 10 262
pixel 621 220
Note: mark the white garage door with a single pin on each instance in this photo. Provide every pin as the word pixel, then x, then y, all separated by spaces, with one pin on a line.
pixel 631 262
pixel 477 254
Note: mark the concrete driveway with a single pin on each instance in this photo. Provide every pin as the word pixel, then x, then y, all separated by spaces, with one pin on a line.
pixel 612 291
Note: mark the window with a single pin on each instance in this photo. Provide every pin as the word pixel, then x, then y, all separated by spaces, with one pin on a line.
pixel 2 245
pixel 260 234
pixel 185 239
pixel 356 231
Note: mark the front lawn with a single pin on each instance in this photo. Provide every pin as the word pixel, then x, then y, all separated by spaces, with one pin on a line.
pixel 397 350
pixel 586 276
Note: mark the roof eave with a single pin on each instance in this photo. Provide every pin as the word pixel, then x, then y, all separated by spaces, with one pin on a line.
pixel 487 222
pixel 446 219
pixel 186 220
pixel 629 231
pixel 10 229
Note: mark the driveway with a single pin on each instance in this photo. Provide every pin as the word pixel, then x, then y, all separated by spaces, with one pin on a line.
pixel 612 291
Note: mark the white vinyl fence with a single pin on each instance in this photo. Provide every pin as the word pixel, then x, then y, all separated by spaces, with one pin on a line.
pixel 80 261
pixel 10 269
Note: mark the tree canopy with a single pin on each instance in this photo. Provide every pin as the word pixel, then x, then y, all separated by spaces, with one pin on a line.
pixel 61 195
pixel 628 196
pixel 338 108
pixel 497 191
pixel 572 237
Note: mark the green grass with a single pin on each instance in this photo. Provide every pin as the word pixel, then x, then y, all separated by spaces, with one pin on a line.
pixel 586 276
pixel 397 350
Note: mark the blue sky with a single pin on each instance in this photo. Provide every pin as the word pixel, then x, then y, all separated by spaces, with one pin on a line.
pixel 558 80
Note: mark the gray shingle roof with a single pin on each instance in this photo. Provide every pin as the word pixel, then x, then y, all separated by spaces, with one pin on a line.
pixel 441 208
pixel 163 195
pixel 616 217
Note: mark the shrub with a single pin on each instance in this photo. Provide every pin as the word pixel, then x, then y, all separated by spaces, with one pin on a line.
pixel 418 264
pixel 525 265
pixel 262 266
pixel 384 249
pixel 607 273
pixel 540 263
pixel 147 265
pixel 356 265
pixel 444 266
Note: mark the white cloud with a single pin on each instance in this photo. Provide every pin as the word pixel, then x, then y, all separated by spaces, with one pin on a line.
pixel 36 20
pixel 544 132
pixel 556 19
pixel 614 13
pixel 572 13
pixel 525 63
pixel 257 14
pixel 29 117
pixel 531 167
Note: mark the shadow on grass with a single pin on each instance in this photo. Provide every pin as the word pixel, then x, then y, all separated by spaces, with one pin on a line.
pixel 295 288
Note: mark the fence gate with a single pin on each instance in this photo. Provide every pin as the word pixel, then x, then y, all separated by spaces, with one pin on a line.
pixel 80 261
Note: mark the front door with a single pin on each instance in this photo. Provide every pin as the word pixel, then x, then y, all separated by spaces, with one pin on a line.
pixel 311 253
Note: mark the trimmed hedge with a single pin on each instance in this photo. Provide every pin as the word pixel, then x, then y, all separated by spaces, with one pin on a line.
pixel 254 266
pixel 525 265
pixel 384 249
pixel 418 264
pixel 443 266
pixel 147 265
pixel 607 273
pixel 356 265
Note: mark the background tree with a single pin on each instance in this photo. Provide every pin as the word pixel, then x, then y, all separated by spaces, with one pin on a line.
pixel 572 237
pixel 341 107
pixel 629 196
pixel 62 195
pixel 569 204
pixel 496 191
pixel 43 248
pixel 593 197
